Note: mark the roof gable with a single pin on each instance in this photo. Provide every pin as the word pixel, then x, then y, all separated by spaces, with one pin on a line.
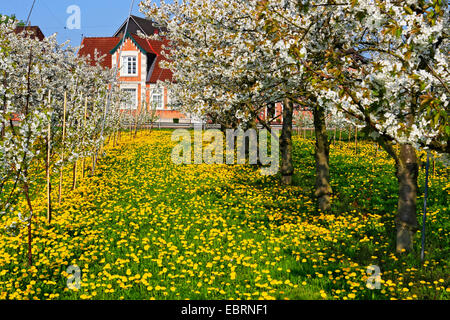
pixel 136 24
pixel 136 40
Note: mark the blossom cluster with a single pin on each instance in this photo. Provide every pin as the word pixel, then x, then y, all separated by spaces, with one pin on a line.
pixel 53 105
pixel 380 63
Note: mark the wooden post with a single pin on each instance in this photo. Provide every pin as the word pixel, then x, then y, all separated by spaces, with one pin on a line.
pixel 62 148
pixel 131 124
pixel 30 243
pixel 83 164
pixel 49 201
pixel 84 128
pixel 135 124
pixel 74 179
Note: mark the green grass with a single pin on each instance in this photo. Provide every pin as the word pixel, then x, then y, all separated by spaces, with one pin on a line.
pixel 226 232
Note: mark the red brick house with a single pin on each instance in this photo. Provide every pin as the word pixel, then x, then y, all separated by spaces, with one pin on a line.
pixel 139 69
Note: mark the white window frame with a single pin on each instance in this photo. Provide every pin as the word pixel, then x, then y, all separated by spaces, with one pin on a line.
pixel 155 92
pixel 123 107
pixel 126 65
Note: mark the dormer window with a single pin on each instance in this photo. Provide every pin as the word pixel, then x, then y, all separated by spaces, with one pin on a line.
pixel 130 66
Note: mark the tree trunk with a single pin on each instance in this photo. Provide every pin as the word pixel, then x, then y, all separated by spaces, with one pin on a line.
pixel 252 125
pixel 287 167
pixel 406 220
pixel 60 184
pixel 323 188
pixel 49 203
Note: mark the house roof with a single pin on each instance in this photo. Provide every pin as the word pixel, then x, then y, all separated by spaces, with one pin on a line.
pixel 136 24
pixel 36 31
pixel 103 45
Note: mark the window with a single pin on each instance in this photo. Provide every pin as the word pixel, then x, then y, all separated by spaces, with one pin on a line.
pixel 130 99
pixel 168 101
pixel 157 98
pixel 130 66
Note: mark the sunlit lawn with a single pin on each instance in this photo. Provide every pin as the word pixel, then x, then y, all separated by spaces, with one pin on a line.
pixel 145 228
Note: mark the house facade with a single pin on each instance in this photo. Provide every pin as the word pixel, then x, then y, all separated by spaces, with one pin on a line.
pixel 137 60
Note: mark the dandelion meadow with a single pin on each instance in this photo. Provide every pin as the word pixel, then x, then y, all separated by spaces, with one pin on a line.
pixel 145 228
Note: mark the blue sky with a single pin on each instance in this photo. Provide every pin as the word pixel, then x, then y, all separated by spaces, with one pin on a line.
pixel 99 18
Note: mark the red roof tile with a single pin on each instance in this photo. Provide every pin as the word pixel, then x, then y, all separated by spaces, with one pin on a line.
pixel 103 45
pixel 155 47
